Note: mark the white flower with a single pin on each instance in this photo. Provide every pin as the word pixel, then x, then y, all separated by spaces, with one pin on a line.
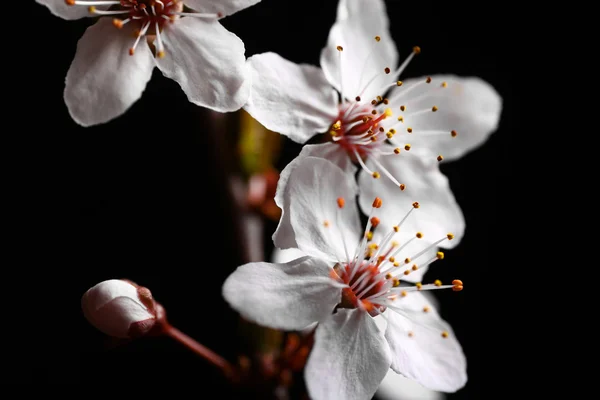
pixel 350 356
pixel 119 309
pixel 399 138
pixel 393 386
pixel 114 62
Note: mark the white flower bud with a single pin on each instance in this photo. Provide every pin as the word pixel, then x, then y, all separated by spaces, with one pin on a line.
pixel 119 308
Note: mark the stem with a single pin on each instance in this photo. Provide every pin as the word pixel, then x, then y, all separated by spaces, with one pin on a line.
pixel 199 349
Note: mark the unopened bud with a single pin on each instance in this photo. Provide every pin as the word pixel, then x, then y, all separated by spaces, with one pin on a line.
pixel 119 308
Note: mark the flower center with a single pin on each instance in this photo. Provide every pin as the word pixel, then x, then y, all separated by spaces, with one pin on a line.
pixel 372 277
pixel 364 128
pixel 150 16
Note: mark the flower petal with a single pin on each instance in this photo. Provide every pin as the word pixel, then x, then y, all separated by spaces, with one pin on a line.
pixel 469 106
pixel 62 10
pixel 396 387
pixel 349 358
pixel 419 351
pixel 284 235
pixel 104 80
pixel 225 7
pixel 294 100
pixel 363 59
pixel 207 61
pixel 283 296
pixel 307 193
pixel 281 256
pixel 438 214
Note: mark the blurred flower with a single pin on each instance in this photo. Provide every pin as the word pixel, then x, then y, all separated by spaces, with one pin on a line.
pixel 113 62
pixel 350 356
pixel 402 137
pixel 120 308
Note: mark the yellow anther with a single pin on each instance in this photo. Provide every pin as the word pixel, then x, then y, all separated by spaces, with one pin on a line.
pixel 326 223
pixel 374 246
pixel 373 102
pixel 337 125
pixel 444 334
pixel 377 202
pixel 91 9
pixel 444 84
pixel 403 293
pixel 374 112
pixel 389 135
pixel 395 243
pixel 437 283
pixel 388 112
pixel 387 70
pixel 457 282
pixel 409 129
pixel 411 334
pixel 419 235
pixel 414 267
pixel 419 285
pixel 407 272
pixel 388 276
pixel 341 202
pixel 391 259
pixel 402 186
pixel 440 255
pixel 374 221
pixel 457 285
pixel 160 54
pixel 386 101
pixel 369 235
pixel 340 48
pixel 397 150
pixel 381 129
pixel 426 309
pixel 396 264
pixel 453 133
pixel 416 50
pixel 440 157
pixel 450 236
pixel 407 260
pixel 396 282
pixel 407 147
pixel 401 118
pixel 428 80
pixel 377 38
pixel 379 99
pixel 393 131
pixel 415 204
pixel 402 108
pixel 117 23
pixel 434 108
pixel 396 228
pixel 399 83
pixel 376 175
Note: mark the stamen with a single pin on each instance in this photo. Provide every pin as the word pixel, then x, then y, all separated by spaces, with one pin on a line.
pixel 139 35
pixel 161 50
pixel 343 99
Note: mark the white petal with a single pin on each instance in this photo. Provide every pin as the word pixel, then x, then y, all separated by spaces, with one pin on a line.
pixel 62 10
pixel 349 358
pixel 435 362
pixel 363 58
pixel 281 256
pixel 396 387
pixel 207 61
pixel 438 214
pixel 283 296
pixel 311 218
pixel 104 80
pixel 284 235
pixel 291 99
pixel 470 106
pixel 225 7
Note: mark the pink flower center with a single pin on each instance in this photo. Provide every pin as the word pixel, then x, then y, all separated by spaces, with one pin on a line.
pixel 150 16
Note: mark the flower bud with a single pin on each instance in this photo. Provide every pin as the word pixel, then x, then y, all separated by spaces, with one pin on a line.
pixel 119 308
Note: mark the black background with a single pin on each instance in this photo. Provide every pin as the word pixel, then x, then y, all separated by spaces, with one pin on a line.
pixel 143 197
